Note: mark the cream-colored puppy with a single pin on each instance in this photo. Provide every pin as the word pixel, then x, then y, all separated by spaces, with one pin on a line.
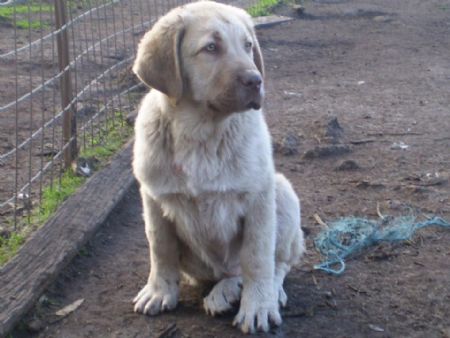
pixel 214 208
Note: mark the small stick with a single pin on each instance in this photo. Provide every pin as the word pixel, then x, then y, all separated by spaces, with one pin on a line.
pixel 319 220
pixel 351 287
pixel 294 314
pixel 356 142
pixel 379 212
pixel 168 331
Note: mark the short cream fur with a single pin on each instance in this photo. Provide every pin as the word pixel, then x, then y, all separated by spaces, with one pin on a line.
pixel 214 207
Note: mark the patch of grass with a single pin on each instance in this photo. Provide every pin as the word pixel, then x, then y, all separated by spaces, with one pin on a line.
pixel 9 246
pixel 263 7
pixel 52 197
pixel 25 24
pixel 110 140
pixel 8 11
pixel 22 12
pixel 104 145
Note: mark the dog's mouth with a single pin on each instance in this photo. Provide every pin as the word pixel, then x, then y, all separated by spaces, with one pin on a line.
pixel 251 105
pixel 254 105
pixel 236 107
pixel 213 107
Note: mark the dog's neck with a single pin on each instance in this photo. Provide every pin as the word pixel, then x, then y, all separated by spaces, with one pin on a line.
pixel 197 123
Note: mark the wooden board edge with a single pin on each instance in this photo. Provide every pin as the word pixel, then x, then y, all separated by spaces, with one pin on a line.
pixel 13 307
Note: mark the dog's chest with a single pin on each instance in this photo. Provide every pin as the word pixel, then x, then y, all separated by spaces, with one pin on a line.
pixel 201 168
pixel 210 224
pixel 224 161
pixel 213 216
pixel 194 158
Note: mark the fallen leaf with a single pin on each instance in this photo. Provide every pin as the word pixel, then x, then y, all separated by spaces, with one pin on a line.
pixel 376 328
pixel 69 308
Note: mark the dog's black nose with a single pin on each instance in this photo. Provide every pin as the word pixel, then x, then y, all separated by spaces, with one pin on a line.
pixel 250 79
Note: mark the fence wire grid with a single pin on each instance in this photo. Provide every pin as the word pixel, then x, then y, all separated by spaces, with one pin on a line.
pixel 65 82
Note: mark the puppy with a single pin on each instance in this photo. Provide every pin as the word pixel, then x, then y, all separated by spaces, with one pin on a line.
pixel 214 208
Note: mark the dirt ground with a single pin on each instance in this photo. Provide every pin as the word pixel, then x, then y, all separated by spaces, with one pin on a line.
pixel 383 71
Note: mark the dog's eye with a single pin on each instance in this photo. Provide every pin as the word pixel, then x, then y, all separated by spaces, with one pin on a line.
pixel 248 45
pixel 212 47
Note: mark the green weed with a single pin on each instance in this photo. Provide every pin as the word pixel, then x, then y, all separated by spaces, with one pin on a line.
pixel 103 146
pixel 263 8
pixel 21 13
pixel 25 24
pixel 52 197
pixel 110 140
pixel 9 246
pixel 8 11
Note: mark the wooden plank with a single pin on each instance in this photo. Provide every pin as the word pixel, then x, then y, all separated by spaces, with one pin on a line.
pixel 270 20
pixel 54 245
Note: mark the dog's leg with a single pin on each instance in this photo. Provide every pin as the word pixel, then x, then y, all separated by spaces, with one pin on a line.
pixel 259 303
pixel 223 295
pixel 161 291
pixel 290 243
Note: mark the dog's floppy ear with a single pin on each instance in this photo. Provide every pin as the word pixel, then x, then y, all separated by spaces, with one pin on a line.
pixel 257 55
pixel 158 60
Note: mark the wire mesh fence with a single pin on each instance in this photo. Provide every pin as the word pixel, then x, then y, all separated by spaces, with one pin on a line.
pixel 65 84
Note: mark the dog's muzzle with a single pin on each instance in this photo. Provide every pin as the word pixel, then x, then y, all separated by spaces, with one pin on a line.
pixel 251 83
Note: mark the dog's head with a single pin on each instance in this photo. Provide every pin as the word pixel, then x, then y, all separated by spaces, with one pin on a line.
pixel 204 52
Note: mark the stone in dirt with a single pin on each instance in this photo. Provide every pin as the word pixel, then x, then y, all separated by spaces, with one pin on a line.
pixel 334 130
pixel 85 166
pixel 329 131
pixel 347 165
pixel 289 145
pixel 35 325
pixel 48 150
pixel 327 151
pixel 364 184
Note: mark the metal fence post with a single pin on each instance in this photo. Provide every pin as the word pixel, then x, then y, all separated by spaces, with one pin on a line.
pixel 69 118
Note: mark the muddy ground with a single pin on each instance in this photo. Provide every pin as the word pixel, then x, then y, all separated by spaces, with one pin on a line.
pixel 383 71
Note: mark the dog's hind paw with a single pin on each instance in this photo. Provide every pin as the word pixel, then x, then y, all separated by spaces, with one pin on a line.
pixel 155 297
pixel 223 295
pixel 282 297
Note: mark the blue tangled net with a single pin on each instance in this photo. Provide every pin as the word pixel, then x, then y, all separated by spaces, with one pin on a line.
pixel 351 235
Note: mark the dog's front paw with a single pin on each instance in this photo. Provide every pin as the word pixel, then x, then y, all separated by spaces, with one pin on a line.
pixel 157 296
pixel 259 306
